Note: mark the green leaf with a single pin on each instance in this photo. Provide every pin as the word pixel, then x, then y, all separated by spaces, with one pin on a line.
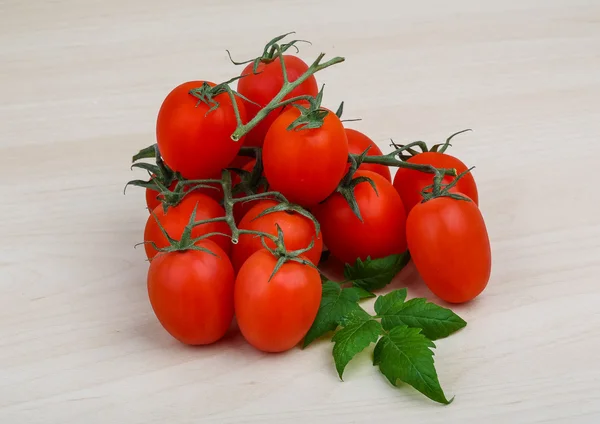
pixel 390 303
pixel 336 303
pixel 362 293
pixel 359 332
pixel 405 354
pixel 435 321
pixel 374 274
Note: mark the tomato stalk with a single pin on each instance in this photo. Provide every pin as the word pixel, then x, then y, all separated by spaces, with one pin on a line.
pixel 439 148
pixel 438 189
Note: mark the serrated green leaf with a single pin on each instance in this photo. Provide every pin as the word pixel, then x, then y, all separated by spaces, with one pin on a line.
pixel 404 354
pixel 390 303
pixel 434 321
pixel 336 303
pixel 374 274
pixel 358 333
pixel 362 293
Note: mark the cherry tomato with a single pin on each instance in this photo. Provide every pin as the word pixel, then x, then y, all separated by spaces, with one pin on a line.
pixel 177 217
pixel 266 84
pixel 450 248
pixel 191 293
pixel 383 230
pixel 274 315
pixel 305 165
pixel 410 183
pixel 298 232
pixel 358 143
pixel 192 141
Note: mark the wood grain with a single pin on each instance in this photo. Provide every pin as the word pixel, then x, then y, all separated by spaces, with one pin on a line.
pixel 81 83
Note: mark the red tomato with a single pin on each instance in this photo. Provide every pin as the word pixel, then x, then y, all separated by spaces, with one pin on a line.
pixel 410 183
pixel 383 230
pixel 239 162
pixel 274 316
pixel 177 217
pixel 358 143
pixel 191 293
pixel 193 142
pixel 241 208
pixel 449 246
pixel 266 84
pixel 305 165
pixel 298 232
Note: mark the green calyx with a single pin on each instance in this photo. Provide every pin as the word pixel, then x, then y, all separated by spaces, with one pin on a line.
pixel 282 254
pixel 438 189
pixel 271 51
pixel 311 117
pixel 206 94
pixel 289 207
pixel 251 181
pixel 186 242
pixel 349 182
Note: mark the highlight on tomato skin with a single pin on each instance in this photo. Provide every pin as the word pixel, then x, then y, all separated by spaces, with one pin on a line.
pixel 357 144
pixel 274 314
pixel 450 248
pixel 191 293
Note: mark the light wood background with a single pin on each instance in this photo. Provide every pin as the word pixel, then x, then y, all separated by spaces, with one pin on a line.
pixel 80 86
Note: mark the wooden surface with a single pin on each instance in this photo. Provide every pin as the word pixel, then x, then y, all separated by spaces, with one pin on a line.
pixel 80 86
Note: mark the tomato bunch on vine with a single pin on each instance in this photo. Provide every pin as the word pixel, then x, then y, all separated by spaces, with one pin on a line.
pixel 252 183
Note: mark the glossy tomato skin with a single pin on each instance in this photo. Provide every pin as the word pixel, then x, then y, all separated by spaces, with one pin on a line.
pixel 450 248
pixel 193 142
pixel 191 293
pixel 263 86
pixel 177 217
pixel 305 165
pixel 383 230
pixel 274 316
pixel 358 143
pixel 298 232
pixel 410 183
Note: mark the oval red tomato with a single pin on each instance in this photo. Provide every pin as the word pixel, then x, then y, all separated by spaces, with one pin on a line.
pixel 450 248
pixel 298 232
pixel 305 165
pixel 263 86
pixel 383 230
pixel 358 143
pixel 177 217
pixel 410 183
pixel 191 293
pixel 274 316
pixel 192 141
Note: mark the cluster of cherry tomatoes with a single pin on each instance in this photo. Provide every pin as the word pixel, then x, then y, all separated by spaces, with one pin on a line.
pixel 295 180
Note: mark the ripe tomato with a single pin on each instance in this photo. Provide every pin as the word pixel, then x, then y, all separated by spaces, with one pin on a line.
pixel 383 230
pixel 358 143
pixel 449 246
pixel 410 183
pixel 274 316
pixel 193 142
pixel 266 84
pixel 177 217
pixel 298 232
pixel 305 165
pixel 191 293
